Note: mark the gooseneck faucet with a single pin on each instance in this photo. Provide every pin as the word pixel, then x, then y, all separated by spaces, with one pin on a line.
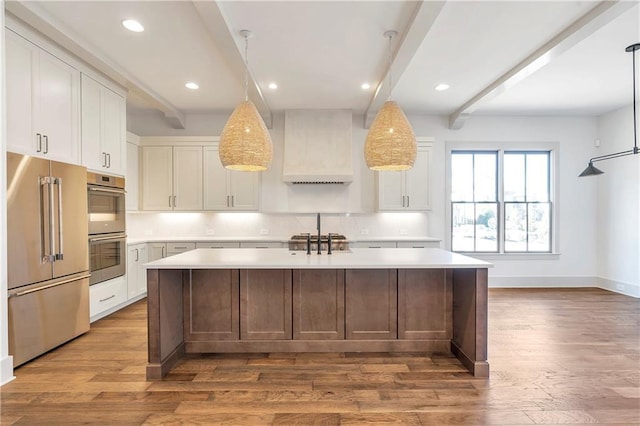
pixel 319 238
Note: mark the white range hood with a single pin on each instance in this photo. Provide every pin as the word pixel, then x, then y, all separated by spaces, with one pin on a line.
pixel 317 146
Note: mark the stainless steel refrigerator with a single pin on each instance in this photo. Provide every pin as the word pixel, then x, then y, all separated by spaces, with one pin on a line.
pixel 48 261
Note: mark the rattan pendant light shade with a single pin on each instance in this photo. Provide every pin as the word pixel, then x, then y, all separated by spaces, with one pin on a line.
pixel 245 143
pixel 391 143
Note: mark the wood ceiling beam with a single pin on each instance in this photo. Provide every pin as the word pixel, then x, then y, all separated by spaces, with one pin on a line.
pixel 596 18
pixel 424 16
pixel 34 16
pixel 231 45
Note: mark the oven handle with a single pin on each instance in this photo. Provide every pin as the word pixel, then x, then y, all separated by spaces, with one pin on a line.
pixel 112 191
pixel 108 237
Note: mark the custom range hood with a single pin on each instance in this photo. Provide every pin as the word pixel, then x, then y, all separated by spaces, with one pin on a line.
pixel 317 147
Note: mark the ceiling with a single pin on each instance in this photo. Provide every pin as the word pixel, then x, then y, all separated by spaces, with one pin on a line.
pixel 499 57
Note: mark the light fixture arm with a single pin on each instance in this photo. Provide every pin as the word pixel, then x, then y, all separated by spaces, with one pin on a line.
pixel 590 170
pixel 633 49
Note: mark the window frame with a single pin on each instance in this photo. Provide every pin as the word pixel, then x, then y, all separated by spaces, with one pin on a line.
pixel 501 147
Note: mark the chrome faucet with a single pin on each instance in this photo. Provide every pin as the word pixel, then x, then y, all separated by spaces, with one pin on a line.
pixel 319 237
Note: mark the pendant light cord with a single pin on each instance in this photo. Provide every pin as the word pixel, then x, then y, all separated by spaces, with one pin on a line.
pixel 390 76
pixel 246 67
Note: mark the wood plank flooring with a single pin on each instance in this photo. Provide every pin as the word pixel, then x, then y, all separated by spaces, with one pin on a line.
pixel 557 356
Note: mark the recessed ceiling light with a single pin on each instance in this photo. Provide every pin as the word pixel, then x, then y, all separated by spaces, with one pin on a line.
pixel 365 86
pixel 442 86
pixel 191 85
pixel 273 86
pixel 133 25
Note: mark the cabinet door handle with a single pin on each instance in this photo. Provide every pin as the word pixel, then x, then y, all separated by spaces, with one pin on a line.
pixel 408 201
pixel 228 201
pixel 137 256
pixel 163 251
pixel 108 160
pixel 39 143
pixel 46 144
pixel 170 201
pixel 175 204
pixel 233 201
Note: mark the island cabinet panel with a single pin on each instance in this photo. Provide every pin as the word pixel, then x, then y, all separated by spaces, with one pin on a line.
pixel 371 304
pixel 318 304
pixel 424 304
pixel 265 304
pixel 211 301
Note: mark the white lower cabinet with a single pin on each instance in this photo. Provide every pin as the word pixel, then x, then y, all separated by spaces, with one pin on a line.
pixel 218 245
pixel 157 251
pixel 266 244
pixel 177 248
pixel 136 273
pixel 418 244
pixel 162 250
pixel 107 295
pixel 373 244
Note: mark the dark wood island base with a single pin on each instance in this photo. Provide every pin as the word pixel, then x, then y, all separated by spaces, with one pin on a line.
pixel 317 310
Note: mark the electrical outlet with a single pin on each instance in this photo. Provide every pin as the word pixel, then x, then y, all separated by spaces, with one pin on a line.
pixel 264 231
pixel 148 232
pixel 364 231
pixel 403 231
pixel 210 231
pixel 620 287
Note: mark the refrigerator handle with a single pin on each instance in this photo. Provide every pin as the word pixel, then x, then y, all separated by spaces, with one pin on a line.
pixel 48 257
pixel 60 254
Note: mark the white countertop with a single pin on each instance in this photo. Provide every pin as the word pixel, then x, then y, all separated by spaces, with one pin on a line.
pixel 357 258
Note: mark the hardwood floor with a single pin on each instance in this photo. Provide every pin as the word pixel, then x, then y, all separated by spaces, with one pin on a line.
pixel 556 356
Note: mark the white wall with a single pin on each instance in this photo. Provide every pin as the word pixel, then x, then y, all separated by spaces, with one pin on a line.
pixel 618 206
pixel 574 265
pixel 6 362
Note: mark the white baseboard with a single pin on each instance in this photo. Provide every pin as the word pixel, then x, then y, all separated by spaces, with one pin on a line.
pixel 542 282
pixel 629 289
pixel 6 370
pixel 565 282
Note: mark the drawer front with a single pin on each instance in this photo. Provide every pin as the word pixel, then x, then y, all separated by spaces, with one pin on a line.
pixel 374 244
pixel 175 248
pixel 218 245
pixel 107 294
pixel 418 244
pixel 267 244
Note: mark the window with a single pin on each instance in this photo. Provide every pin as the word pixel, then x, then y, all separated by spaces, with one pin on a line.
pixel 501 201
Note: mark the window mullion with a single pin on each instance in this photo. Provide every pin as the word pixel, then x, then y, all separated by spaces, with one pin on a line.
pixel 500 200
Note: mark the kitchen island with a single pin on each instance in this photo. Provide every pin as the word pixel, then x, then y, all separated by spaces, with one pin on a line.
pixel 276 300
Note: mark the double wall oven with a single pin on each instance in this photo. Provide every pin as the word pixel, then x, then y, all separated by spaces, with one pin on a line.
pixel 107 237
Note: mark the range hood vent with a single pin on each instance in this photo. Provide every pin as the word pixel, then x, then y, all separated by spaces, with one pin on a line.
pixel 317 147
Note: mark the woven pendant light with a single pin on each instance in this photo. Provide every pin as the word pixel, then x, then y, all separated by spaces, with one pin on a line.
pixel 391 143
pixel 245 143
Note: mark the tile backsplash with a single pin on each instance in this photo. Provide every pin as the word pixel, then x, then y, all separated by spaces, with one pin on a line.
pixel 241 224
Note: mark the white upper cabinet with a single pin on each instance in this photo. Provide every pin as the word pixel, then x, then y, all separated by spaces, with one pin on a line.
pixel 43 101
pixel 103 128
pixel 407 190
pixel 172 178
pixel 228 190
